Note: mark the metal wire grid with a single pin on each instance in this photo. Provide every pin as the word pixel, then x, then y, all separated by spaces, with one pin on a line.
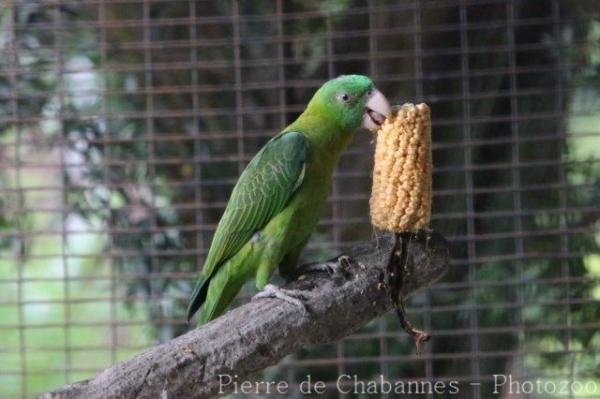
pixel 197 134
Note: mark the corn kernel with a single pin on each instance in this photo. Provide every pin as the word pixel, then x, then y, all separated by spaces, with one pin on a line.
pixel 401 194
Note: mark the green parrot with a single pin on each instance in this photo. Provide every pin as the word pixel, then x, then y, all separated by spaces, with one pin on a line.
pixel 275 205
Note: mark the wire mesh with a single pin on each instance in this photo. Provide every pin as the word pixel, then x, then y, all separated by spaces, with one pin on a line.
pixel 125 123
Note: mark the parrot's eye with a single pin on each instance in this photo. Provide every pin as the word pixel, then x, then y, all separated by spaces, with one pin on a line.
pixel 344 97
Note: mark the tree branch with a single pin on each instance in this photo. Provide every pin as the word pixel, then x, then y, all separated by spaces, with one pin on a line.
pixel 260 333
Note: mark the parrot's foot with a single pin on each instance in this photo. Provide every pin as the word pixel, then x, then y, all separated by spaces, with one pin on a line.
pixel 295 297
pixel 331 268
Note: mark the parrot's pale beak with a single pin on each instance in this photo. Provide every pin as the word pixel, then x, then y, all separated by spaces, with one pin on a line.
pixel 376 110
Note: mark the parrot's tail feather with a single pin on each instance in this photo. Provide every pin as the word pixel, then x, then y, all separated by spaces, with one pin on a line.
pixel 214 292
pixel 224 286
pixel 198 296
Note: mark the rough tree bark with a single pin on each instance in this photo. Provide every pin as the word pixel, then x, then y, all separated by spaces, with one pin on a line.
pixel 260 333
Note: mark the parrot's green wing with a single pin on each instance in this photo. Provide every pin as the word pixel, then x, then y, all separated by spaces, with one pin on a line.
pixel 261 192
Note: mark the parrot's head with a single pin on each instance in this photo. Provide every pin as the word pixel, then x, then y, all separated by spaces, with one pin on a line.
pixel 352 101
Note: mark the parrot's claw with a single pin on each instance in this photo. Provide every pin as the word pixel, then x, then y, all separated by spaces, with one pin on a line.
pixel 295 297
pixel 332 268
pixel 345 261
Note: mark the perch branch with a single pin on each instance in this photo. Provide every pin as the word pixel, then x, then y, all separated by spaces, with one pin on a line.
pixel 260 333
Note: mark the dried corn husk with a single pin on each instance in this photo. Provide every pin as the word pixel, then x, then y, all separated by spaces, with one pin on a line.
pixel 401 195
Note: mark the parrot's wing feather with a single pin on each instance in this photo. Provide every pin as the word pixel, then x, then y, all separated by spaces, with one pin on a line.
pixel 261 192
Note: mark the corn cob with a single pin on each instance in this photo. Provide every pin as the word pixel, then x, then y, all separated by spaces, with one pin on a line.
pixel 401 194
